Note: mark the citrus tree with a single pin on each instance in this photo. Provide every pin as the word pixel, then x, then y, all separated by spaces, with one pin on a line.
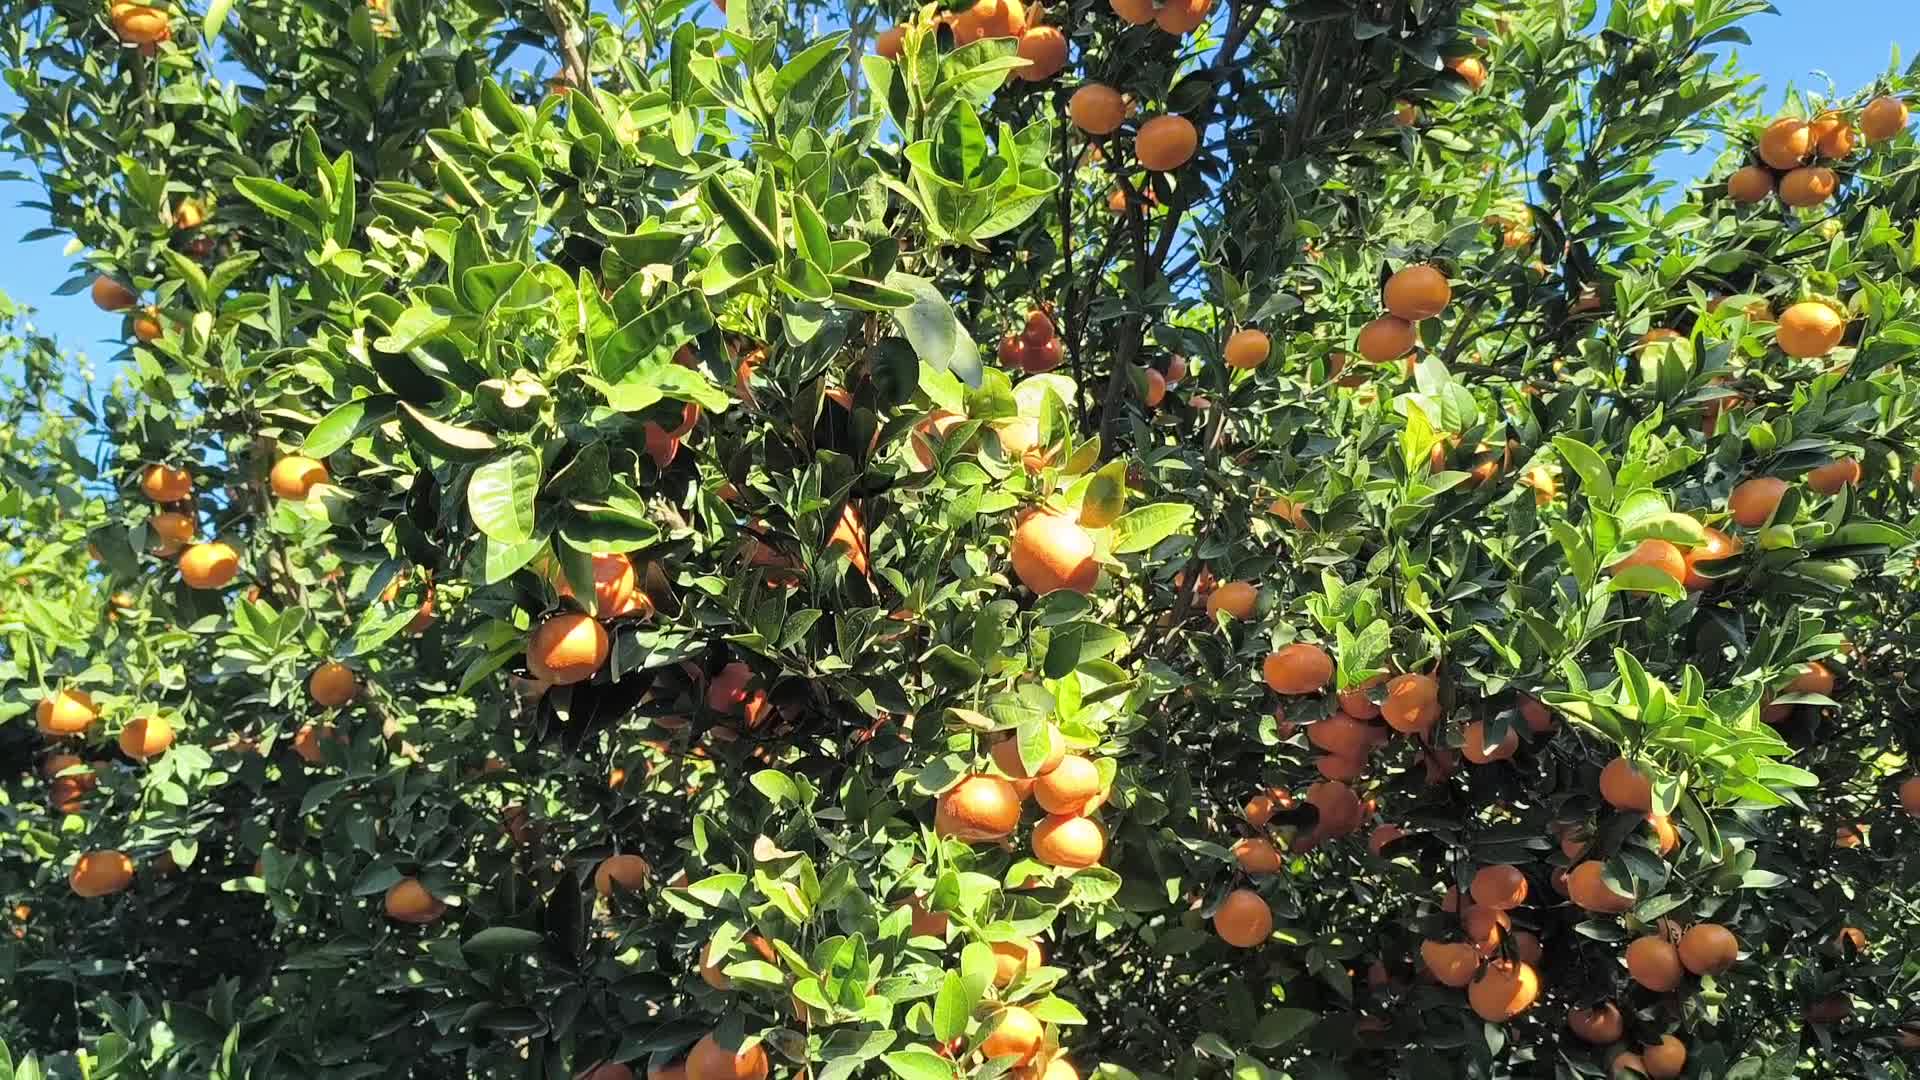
pixel 1115 539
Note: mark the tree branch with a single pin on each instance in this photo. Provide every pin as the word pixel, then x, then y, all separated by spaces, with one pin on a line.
pixel 569 52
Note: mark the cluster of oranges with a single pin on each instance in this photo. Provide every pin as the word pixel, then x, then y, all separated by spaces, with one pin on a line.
pixel 1043 47
pixel 1751 505
pixel 1162 144
pixel 1412 294
pixel 1175 17
pixel 1789 144
pixel 985 807
pixel 1034 349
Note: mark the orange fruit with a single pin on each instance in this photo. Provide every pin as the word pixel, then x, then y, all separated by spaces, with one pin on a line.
pixel 1814 678
pixel 293 476
pixel 166 483
pixel 1341 734
pixel 1381 836
pixel 1069 840
pixel 1156 388
pixel 1883 118
pixel 1755 500
pixel 1453 963
pixel 708 1060
pixel 1340 766
pixel 1832 135
pixel 1504 990
pixel 1057 1069
pixel 171 531
pixel 1405 114
pixel 409 901
pixel 1527 948
pixel 1012 959
pixel 1006 756
pixel 1910 795
pixel 146 325
pixel 1182 16
pixel 1339 808
pixel 1097 109
pixel 1165 143
pixel 1786 143
pixel 887 43
pixel 622 873
pixel 1257 855
pixel 1625 787
pixel 1385 339
pixel 978 808
pixel 1413 703
pixel 1624 1062
pixel 332 685
pixel 989 19
pixel 1665 1059
pixel 65 712
pixel 100 873
pixel 1469 68
pixel 1848 836
pixel 935 426
pixel 613 583
pixel 1659 554
pixel 1045 50
pixel 1587 889
pixel 1067 788
pixel 140 24
pixel 306 741
pixel 1484 927
pixel 1050 552
pixel 1299 668
pixel 1718 546
pixel 1597 1024
pixel 1828 479
pixel 1418 292
pixel 1538 719
pixel 1709 949
pixel 145 737
pixel 1259 809
pixel 1016 1034
pixel 209 566
pixel 1247 349
pixel 567 648
pixel 1809 185
pixel 1665 836
pixel 66 794
pixel 110 295
pixel 1654 963
pixel 1236 598
pixel 1749 184
pixel 1358 703
pixel 1474 745
pixel 1134 12
pixel 710 972
pixel 1809 329
pixel 1501 888
pixel 1243 919
pixel 925 923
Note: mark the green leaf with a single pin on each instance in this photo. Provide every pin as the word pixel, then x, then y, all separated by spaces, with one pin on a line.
pixel 339 427
pixel 951 1008
pixel 500 496
pixel 1647 579
pixel 215 18
pixel 1583 459
pixel 1141 529
pixel 1106 495
pixel 444 440
pixel 501 941
pixel 919 1064
pixel 1674 528
pixel 746 228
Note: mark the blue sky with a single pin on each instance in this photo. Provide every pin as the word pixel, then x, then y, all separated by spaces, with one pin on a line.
pixel 1811 42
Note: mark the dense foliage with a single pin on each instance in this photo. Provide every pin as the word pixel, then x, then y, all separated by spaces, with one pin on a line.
pixel 1123 539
